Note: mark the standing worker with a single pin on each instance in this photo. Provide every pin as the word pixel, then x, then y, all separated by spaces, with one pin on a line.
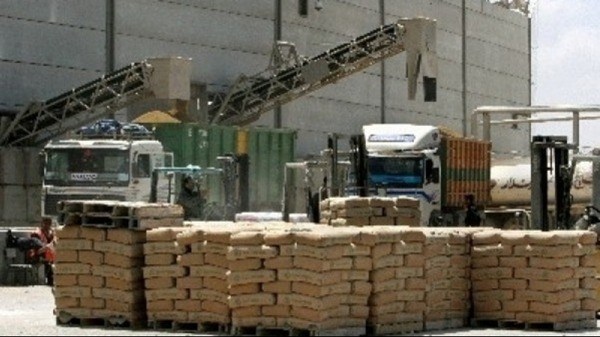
pixel 472 217
pixel 46 253
pixel 190 199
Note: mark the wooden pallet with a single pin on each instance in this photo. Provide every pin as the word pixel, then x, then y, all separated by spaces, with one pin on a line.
pixel 446 324
pixel 83 320
pixel 123 322
pixel 170 325
pixel 397 328
pixel 286 331
pixel 202 327
pixel 536 326
pixel 497 323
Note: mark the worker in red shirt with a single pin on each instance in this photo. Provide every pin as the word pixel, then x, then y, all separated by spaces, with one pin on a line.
pixel 46 253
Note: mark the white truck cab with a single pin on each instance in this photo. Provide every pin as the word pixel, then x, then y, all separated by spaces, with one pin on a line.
pixel 402 160
pixel 426 162
pixel 100 169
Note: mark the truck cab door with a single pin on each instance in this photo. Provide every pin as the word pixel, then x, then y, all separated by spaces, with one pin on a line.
pixel 141 166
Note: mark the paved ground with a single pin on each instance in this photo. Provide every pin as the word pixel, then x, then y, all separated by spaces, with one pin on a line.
pixel 27 311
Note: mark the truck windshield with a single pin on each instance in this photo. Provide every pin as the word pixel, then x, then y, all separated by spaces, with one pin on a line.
pixel 395 172
pixel 87 167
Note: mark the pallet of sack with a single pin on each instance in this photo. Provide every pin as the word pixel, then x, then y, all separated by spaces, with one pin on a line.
pixel 119 214
pixel 319 279
pixel 238 276
pixel 370 211
pixel 99 269
pixel 98 275
pixel 535 280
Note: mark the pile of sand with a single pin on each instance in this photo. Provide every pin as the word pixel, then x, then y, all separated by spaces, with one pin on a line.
pixel 156 116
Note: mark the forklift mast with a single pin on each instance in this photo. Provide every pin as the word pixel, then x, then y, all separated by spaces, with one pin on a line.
pixel 551 153
pixel 359 164
pixel 233 172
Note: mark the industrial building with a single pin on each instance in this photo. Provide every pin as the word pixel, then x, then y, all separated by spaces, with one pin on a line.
pixel 48 47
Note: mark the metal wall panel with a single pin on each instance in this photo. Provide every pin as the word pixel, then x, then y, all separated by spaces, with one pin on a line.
pixel 268 151
pixel 229 38
pixel 23 83
pixel 20 205
pixel 212 66
pixel 34 204
pixel 503 58
pixel 20 186
pixel 224 41
pixel 221 140
pixel 88 13
pixel 12 203
pixel 48 47
pixel 12 169
pixel 19 166
pixel 54 45
pixel 202 26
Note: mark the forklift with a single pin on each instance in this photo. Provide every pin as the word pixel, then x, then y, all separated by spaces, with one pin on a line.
pixel 591 215
pixel 551 153
pixel 233 173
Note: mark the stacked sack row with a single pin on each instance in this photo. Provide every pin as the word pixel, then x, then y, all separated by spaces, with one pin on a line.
pixel 397 301
pixel 420 279
pixel 99 266
pixel 314 277
pixel 535 277
pixel 389 279
pixel 98 275
pixel 372 211
pixel 165 279
pixel 277 276
pixel 447 277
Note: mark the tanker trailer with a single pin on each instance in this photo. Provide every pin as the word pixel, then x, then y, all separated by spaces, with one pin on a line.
pixel 510 192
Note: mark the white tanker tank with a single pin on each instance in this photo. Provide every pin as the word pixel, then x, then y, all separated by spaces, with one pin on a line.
pixel 511 184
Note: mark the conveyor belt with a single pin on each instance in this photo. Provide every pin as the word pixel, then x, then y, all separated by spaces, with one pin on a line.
pixel 249 99
pixel 40 122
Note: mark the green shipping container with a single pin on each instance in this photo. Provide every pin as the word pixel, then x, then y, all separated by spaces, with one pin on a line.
pixel 268 150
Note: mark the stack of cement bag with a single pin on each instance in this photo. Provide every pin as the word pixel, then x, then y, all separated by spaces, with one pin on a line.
pixel 329 279
pixel 397 303
pixel 99 266
pixel 99 275
pixel 164 278
pixel 535 277
pixel 275 275
pixel 370 211
pixel 231 265
pixel 447 278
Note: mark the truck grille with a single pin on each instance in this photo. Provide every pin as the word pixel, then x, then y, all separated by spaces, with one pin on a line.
pixel 51 202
